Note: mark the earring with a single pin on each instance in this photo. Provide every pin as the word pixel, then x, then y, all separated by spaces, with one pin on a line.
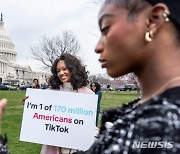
pixel 165 14
pixel 149 36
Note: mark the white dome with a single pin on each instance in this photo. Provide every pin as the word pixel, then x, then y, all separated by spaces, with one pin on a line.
pixel 6 44
pixel 3 35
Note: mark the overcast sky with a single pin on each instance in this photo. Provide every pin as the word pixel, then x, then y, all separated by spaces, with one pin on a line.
pixel 26 21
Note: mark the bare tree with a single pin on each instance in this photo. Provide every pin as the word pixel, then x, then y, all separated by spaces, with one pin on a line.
pixel 48 49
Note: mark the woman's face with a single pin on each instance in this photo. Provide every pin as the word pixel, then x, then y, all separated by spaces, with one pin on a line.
pixel 35 82
pixel 93 87
pixel 63 73
pixel 121 43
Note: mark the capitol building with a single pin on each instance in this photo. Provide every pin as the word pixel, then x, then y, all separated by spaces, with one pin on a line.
pixel 10 71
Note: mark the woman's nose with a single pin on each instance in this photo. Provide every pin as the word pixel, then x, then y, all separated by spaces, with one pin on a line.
pixel 99 47
pixel 61 72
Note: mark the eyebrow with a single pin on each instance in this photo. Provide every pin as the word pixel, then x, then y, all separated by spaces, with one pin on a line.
pixel 102 18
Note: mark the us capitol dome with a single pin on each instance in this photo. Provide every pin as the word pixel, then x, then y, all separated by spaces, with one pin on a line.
pixel 10 71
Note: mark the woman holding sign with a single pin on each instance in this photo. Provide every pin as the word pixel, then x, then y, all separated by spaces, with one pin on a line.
pixel 141 36
pixel 68 74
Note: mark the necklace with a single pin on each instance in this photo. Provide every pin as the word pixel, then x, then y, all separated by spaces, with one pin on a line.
pixel 159 90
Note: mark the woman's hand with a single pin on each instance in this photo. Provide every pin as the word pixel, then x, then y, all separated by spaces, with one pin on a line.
pixel 3 103
pixel 23 100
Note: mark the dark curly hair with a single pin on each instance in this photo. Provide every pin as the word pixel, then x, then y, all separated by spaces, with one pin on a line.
pixel 79 77
pixel 98 87
pixel 37 86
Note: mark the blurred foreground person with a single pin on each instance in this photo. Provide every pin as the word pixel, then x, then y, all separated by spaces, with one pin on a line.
pixel 142 36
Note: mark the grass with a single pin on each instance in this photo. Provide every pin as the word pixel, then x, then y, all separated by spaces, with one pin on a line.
pixel 12 117
pixel 11 124
pixel 113 99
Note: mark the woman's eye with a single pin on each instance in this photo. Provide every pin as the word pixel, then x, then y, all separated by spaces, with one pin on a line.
pixel 64 69
pixel 104 30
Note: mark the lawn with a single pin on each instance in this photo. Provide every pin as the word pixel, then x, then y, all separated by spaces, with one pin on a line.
pixel 113 99
pixel 12 117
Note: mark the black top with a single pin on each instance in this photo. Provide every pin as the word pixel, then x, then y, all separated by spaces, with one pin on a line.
pixel 150 128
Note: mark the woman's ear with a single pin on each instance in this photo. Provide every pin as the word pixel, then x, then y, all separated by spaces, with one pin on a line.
pixel 158 16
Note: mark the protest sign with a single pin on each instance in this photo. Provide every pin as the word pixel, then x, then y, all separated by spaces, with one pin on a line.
pixel 64 119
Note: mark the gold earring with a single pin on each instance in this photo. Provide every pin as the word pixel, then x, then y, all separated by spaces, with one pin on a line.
pixel 165 14
pixel 149 36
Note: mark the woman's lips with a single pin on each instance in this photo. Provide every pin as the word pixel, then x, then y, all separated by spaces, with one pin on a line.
pixel 63 78
pixel 103 63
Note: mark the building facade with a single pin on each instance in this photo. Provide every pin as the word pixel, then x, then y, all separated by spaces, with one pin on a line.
pixel 10 71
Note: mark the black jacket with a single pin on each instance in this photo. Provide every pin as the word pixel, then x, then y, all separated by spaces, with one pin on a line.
pixel 150 128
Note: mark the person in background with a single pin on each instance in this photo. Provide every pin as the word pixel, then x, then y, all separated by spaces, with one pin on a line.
pixel 35 84
pixel 96 88
pixel 68 74
pixel 18 87
pixel 143 37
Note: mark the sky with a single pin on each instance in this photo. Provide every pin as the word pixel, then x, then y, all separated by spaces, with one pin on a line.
pixel 26 21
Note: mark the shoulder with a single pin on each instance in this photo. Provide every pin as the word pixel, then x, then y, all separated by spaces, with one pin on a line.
pixel 159 116
pixel 160 107
pixel 85 90
pixel 162 111
pixel 156 121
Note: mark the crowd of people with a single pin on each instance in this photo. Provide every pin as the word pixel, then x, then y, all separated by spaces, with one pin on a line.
pixel 143 37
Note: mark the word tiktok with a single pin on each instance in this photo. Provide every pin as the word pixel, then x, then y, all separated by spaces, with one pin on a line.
pixel 56 128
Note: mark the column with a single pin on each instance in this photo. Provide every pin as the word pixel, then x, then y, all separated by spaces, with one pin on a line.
pixel 0 67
